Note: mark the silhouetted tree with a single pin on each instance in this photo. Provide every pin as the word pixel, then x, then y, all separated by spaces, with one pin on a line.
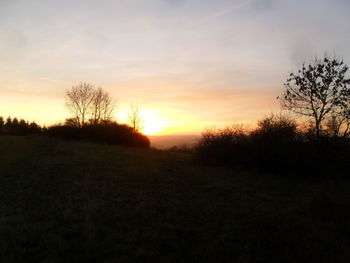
pixel 23 123
pixel 15 123
pixel 34 128
pixel 102 107
pixel 8 123
pixel 2 122
pixel 79 100
pixel 135 119
pixel 22 127
pixel 318 90
pixel 88 103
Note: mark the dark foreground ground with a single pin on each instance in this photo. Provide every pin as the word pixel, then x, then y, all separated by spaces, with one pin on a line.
pixel 81 202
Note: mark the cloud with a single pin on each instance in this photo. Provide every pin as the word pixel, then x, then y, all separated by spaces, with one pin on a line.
pixel 238 4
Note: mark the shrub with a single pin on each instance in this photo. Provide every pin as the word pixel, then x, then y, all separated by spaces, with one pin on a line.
pixel 275 145
pixel 110 132
pixel 229 146
pixel 281 128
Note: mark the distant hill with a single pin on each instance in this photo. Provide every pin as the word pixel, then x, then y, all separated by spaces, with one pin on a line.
pixel 168 141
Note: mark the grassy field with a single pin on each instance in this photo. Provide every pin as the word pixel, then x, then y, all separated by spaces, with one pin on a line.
pixel 65 201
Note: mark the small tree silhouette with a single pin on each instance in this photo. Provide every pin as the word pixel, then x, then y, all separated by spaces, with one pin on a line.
pixel 79 100
pixel 135 119
pixel 34 128
pixel 318 90
pixel 8 123
pixel 102 107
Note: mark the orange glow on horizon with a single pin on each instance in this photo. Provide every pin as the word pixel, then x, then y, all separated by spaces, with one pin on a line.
pixel 160 121
pixel 156 120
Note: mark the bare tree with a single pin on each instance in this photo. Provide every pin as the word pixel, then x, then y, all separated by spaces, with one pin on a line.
pixel 96 106
pixel 88 103
pixel 135 119
pixel 318 90
pixel 79 100
pixel 102 107
pixel 108 108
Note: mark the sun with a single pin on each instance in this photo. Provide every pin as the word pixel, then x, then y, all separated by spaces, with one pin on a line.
pixel 152 123
pixel 151 129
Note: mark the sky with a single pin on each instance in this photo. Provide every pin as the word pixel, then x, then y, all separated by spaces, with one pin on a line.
pixel 190 65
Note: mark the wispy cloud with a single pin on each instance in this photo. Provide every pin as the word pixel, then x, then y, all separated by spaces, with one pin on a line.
pixel 222 12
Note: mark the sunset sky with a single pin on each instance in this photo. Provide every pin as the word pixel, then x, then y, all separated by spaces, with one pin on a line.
pixel 189 64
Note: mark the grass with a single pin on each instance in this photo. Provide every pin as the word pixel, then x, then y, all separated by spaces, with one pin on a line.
pixel 64 201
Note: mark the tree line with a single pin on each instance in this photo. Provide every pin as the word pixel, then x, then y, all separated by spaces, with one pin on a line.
pixel 18 127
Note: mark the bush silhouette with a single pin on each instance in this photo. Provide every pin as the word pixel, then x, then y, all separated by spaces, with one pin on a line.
pixel 110 132
pixel 275 145
pixel 274 128
pixel 224 146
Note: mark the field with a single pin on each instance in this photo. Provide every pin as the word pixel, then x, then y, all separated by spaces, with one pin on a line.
pixel 65 201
